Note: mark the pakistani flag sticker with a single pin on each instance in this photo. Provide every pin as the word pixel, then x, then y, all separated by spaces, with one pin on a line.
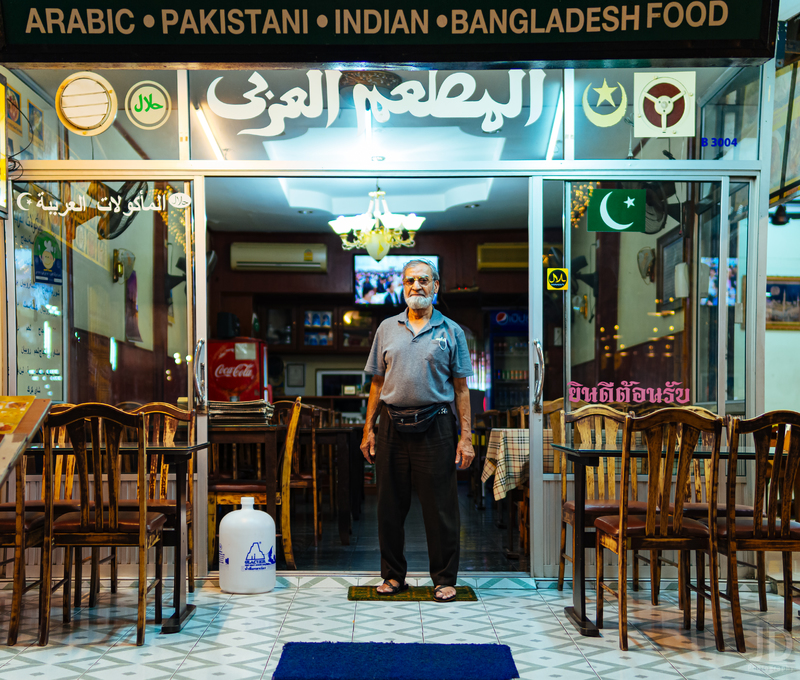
pixel 617 210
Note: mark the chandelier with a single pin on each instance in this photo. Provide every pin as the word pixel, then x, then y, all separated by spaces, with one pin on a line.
pixel 377 230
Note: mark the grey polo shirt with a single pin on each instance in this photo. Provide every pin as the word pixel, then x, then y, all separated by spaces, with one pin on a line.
pixel 419 370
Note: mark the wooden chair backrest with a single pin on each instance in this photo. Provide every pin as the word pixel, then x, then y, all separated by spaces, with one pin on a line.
pixel 289 449
pixel 671 436
pixel 517 417
pixel 160 426
pixel 776 469
pixel 97 459
pixel 64 463
pixel 596 427
pixel 553 412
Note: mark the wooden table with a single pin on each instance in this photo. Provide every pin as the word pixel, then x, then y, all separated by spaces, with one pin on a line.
pixel 13 445
pixel 584 458
pixel 349 471
pixel 349 462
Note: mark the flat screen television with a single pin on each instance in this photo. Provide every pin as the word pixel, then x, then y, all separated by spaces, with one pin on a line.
pixel 379 283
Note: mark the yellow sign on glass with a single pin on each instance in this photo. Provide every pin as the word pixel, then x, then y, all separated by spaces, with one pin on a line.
pixel 557 279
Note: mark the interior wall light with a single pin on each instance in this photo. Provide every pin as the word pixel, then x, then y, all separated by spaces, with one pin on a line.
pixel 209 135
pixel 378 229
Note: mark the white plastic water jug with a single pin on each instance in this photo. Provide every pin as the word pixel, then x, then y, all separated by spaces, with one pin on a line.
pixel 247 550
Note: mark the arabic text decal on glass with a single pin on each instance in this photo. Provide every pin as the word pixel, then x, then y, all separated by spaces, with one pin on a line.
pixel 455 97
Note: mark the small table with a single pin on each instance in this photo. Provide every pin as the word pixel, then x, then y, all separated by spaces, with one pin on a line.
pixel 507 458
pixel 584 458
pixel 13 445
pixel 350 472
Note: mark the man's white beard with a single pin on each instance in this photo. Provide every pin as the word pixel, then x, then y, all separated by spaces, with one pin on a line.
pixel 419 302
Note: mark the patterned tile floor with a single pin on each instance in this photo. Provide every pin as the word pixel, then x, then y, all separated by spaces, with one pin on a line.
pixel 240 637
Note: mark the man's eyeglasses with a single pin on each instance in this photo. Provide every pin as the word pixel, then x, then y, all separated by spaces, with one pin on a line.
pixel 423 280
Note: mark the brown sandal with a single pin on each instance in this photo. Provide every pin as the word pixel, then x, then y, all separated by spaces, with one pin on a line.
pixel 393 588
pixel 438 589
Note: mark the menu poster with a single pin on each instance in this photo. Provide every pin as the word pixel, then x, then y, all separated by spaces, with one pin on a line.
pixel 12 409
pixel 39 305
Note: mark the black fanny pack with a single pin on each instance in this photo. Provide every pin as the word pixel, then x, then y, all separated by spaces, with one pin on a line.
pixel 415 418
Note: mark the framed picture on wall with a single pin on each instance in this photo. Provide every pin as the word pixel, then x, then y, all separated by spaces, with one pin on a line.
pixel 295 375
pixel 783 303
pixel 669 254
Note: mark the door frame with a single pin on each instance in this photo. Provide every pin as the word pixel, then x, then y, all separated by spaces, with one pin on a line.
pixel 537 172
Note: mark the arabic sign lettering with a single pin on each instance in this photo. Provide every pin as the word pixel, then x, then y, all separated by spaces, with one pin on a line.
pixel 427 31
pixel 148 105
pixel 109 203
pixel 454 97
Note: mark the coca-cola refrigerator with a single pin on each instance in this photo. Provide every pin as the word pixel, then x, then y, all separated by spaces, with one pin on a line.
pixel 237 370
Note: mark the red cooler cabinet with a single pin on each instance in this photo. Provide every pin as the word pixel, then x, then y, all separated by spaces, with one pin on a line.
pixel 237 370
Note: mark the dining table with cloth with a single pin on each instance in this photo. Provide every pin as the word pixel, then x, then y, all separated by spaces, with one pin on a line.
pixel 508 459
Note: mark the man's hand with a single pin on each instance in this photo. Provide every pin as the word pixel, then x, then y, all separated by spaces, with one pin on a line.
pixel 464 453
pixel 368 444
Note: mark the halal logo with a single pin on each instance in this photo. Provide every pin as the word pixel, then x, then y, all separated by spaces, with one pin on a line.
pixel 605 94
pixel 557 279
pixel 148 105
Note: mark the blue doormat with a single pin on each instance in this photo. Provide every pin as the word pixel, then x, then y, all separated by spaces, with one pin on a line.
pixel 389 661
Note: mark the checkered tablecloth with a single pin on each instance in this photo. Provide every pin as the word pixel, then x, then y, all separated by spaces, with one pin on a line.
pixel 507 458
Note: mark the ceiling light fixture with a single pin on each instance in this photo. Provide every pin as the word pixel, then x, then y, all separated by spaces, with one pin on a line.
pixel 209 135
pixel 377 230
pixel 472 205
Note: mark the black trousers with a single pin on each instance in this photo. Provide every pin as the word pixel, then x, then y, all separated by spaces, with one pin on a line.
pixel 426 461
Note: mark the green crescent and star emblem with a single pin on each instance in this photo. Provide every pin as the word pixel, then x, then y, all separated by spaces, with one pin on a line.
pixel 617 210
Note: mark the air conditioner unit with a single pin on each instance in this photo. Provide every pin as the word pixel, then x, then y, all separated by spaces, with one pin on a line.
pixel 499 256
pixel 280 257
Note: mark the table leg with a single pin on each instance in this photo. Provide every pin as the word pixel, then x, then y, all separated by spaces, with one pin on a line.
pixel 183 611
pixel 577 612
pixel 343 486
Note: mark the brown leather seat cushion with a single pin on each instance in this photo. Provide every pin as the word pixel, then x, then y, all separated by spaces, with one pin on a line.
pixel 60 506
pixel 164 505
pixel 244 486
pixel 8 521
pixel 605 507
pixel 128 522
pixel 744 528
pixel 636 526
pixel 700 510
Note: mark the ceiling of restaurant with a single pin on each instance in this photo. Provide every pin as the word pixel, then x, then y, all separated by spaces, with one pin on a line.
pixel 306 204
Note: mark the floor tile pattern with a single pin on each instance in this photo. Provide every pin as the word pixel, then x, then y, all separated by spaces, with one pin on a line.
pixel 241 637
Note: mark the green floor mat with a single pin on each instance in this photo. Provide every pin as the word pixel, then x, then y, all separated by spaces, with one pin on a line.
pixel 413 594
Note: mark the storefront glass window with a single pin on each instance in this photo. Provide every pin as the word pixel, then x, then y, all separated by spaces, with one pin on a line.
pixel 738 216
pixel 101 293
pixel 375 116
pixel 631 258
pixel 647 115
pixel 137 108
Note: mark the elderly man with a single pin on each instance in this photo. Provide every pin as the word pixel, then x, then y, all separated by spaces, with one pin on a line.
pixel 420 364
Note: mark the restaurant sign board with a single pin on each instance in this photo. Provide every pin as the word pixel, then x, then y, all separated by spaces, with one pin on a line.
pixel 393 31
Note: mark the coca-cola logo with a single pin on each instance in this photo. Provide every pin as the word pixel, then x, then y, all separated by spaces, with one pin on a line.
pixel 243 370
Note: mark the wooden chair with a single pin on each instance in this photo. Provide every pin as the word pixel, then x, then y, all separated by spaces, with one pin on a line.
pixel 223 491
pixel 161 425
pixel 21 529
pixel 595 427
pixel 768 527
pixel 100 522
pixel 671 436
